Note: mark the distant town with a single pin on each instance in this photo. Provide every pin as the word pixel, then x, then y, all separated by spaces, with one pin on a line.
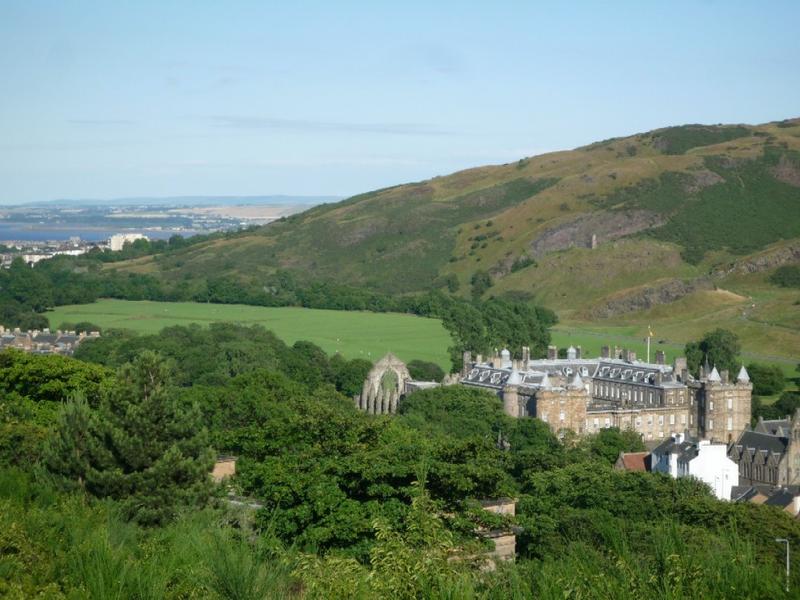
pixel 73 227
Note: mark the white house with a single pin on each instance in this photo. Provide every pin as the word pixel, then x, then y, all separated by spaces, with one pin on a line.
pixel 681 456
pixel 118 240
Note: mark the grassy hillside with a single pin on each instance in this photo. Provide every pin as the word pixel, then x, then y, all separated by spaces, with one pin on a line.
pixel 625 230
pixel 353 334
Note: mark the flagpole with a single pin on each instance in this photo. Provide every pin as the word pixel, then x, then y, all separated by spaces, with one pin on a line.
pixel 649 335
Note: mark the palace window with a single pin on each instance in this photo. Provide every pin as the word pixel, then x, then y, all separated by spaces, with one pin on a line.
pixel 672 419
pixel 730 403
pixel 561 416
pixel 711 424
pixel 608 422
pixel 660 420
pixel 683 419
pixel 596 423
pixel 730 423
pixel 638 421
pixel 711 405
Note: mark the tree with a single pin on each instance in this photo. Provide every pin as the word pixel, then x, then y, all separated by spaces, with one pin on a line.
pixel 720 348
pixel 787 404
pixel 767 380
pixel 421 370
pixel 480 281
pixel 349 375
pixel 74 450
pixel 608 443
pixel 141 447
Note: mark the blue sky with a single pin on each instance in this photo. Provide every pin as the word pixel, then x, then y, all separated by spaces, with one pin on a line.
pixel 113 99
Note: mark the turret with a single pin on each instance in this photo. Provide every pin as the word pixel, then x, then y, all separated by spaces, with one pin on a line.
pixel 743 376
pixel 511 394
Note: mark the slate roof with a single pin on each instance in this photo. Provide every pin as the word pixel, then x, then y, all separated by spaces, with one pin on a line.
pixel 686 450
pixel 537 373
pixel 762 441
pixel 782 498
pixel 779 427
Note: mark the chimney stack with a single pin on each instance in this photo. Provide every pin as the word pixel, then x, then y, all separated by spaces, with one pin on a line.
pixel 578 352
pixel 661 358
pixel 526 356
pixel 552 352
pixel 467 363
pixel 631 356
pixel 625 354
pixel 605 352
pixel 724 375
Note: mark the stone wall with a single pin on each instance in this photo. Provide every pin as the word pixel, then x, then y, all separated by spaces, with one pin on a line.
pixel 562 408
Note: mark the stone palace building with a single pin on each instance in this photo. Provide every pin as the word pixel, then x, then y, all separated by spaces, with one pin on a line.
pixel 616 390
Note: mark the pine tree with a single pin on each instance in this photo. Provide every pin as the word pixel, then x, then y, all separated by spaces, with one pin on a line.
pixel 75 452
pixel 141 447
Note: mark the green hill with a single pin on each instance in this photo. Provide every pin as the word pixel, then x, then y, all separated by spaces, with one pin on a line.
pixel 614 231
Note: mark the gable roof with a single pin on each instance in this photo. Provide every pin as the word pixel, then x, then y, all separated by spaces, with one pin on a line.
pixel 756 440
pixel 633 461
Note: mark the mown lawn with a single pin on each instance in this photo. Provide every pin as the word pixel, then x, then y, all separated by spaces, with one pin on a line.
pixel 353 334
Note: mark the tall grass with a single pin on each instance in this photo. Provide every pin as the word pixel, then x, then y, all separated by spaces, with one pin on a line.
pixel 57 546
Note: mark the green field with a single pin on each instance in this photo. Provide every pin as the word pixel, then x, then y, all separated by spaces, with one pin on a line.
pixel 353 334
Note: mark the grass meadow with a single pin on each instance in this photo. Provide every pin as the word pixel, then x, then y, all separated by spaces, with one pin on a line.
pixel 353 334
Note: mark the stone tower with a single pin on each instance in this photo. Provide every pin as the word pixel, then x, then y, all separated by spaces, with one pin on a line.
pixel 384 386
pixel 723 405
pixel 562 406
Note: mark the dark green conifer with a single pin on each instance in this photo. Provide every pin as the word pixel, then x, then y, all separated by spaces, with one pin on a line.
pixel 141 447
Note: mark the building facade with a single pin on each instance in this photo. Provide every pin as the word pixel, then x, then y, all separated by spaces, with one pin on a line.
pixel 684 456
pixel 616 389
pixel 770 453
pixel 44 341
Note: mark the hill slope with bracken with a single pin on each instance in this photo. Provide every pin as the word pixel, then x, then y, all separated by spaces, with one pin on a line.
pixel 618 228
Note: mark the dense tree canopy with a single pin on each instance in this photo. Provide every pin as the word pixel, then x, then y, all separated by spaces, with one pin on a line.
pixel 348 498
pixel 141 447
pixel 719 348
pixel 768 380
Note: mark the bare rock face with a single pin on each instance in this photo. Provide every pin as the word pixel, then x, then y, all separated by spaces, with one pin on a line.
pixel 763 262
pixel 606 226
pixel 650 296
pixel 702 179
pixel 787 171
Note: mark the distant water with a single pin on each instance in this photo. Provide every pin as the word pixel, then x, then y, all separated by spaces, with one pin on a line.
pixel 27 232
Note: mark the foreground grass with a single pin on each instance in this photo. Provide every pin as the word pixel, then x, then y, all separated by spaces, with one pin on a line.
pixel 353 334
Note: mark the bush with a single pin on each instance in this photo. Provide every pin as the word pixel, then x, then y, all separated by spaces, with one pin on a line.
pixel 421 370
pixel 768 380
pixel 787 276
